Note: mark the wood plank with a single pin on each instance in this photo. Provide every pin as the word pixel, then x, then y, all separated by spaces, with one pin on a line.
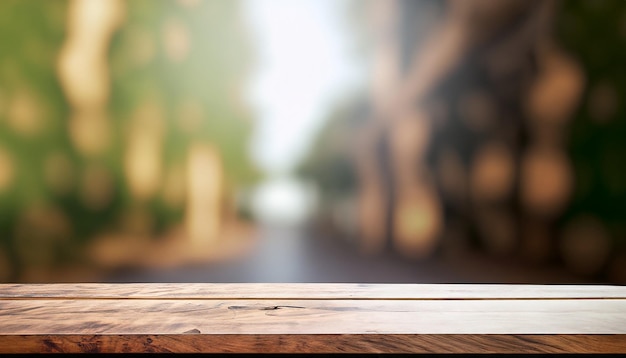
pixel 341 343
pixel 352 291
pixel 312 318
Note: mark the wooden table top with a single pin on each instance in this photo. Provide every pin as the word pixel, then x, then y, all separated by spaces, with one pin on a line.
pixel 312 318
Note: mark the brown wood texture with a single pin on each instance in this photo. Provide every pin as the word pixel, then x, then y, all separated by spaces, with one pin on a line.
pixel 312 318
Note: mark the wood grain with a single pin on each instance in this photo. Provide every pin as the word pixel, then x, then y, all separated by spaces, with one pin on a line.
pixel 312 318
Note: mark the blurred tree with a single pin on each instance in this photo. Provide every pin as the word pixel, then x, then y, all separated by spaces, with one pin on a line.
pixel 36 156
pixel 595 31
pixel 158 79
pixel 187 62
pixel 525 127
pixel 330 165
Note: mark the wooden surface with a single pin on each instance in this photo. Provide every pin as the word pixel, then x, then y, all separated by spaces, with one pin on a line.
pixel 312 318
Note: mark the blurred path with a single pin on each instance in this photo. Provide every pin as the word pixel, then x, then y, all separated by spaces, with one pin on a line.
pixel 292 255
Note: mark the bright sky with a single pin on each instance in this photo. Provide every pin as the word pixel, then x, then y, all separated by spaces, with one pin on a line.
pixel 304 64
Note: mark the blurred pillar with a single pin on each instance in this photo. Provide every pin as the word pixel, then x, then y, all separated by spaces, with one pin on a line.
pixel 386 56
pixel 142 160
pixel 417 217
pixel 83 70
pixel 204 193
pixel 373 193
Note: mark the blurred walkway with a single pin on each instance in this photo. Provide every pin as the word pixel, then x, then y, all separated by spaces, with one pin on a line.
pixel 292 255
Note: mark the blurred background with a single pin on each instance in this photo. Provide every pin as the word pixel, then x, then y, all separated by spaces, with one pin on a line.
pixel 430 141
